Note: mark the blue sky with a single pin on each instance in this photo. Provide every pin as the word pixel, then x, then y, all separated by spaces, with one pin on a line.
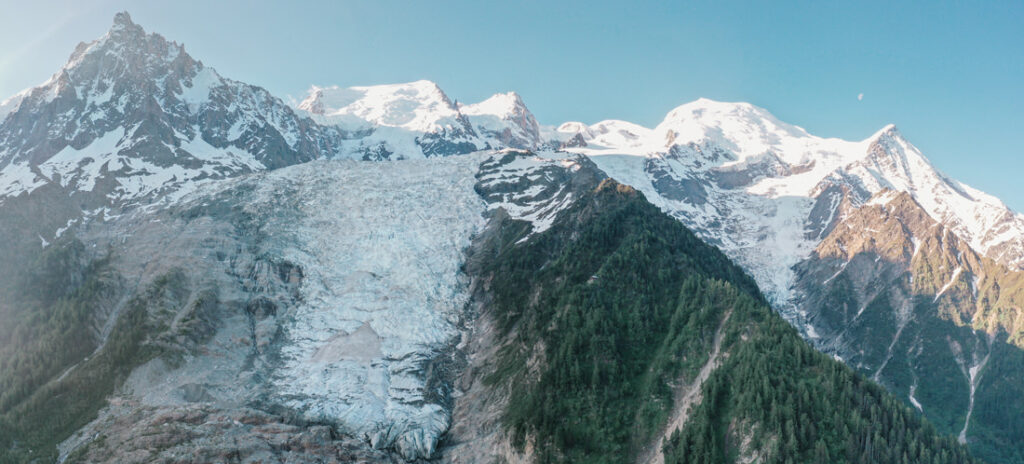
pixel 950 75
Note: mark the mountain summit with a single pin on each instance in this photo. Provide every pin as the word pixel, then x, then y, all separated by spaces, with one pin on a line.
pixel 131 114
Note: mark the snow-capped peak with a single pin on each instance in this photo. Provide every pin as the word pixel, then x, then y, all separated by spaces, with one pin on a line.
pixel 610 134
pixel 410 120
pixel 572 127
pixel 131 114
pixel 746 129
pixel 419 106
pixel 889 129
pixel 128 43
pixel 499 104
pixel 979 218
pixel 505 121
pixel 123 20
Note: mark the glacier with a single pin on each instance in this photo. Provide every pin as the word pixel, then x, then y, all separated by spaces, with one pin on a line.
pixel 380 246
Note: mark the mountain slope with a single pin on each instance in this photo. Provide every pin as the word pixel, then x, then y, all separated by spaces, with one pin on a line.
pixel 900 297
pixel 596 326
pixel 132 117
pixel 771 196
pixel 504 121
pixel 767 191
pixel 131 114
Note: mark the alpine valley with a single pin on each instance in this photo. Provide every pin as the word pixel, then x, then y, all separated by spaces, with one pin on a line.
pixel 192 270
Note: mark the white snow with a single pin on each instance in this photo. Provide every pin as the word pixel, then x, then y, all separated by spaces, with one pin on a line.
pixel 202 84
pixel 80 168
pixel 503 114
pixel 903 316
pixel 18 178
pixel 764 234
pixel 861 310
pixel 751 137
pixel 913 400
pixel 394 116
pixel 418 106
pixel 621 136
pixel 883 198
pixel 529 204
pixel 972 378
pixel 762 224
pixel 840 271
pixel 500 104
pixel 952 280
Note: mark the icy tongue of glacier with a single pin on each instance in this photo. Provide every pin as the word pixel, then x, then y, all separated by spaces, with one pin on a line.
pixel 381 246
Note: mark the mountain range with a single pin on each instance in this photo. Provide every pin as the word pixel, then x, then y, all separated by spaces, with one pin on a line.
pixel 384 274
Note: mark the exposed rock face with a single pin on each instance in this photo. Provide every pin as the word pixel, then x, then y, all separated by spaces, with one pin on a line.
pixel 133 433
pixel 899 296
pixel 477 433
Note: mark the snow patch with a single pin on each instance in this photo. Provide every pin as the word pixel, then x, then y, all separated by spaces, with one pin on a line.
pixel 952 280
pixel 913 400
pixel 539 203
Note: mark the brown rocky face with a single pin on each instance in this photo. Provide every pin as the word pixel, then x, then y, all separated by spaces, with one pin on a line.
pixel 898 296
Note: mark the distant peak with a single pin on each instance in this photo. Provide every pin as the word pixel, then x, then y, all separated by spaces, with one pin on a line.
pixel 512 96
pixel 572 127
pixel 888 132
pixel 509 99
pixel 738 126
pixel 497 104
pixel 123 23
pixel 422 85
pixel 126 39
pixel 703 105
pixel 123 19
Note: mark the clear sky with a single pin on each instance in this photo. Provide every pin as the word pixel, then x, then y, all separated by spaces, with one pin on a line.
pixel 949 75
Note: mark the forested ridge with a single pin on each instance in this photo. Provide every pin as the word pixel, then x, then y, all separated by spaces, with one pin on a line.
pixel 616 304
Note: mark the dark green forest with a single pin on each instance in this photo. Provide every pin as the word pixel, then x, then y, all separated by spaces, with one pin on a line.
pixel 617 302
